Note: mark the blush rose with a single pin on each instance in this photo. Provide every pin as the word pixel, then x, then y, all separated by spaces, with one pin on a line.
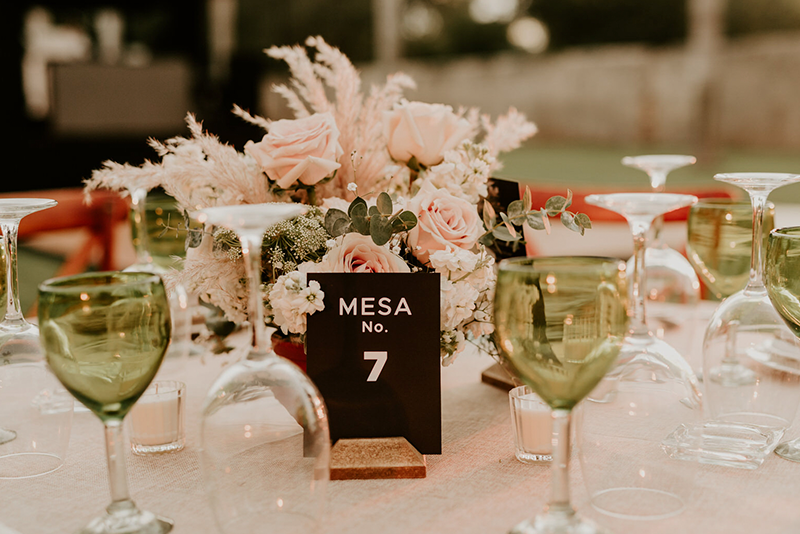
pixel 443 221
pixel 357 253
pixel 305 150
pixel 424 131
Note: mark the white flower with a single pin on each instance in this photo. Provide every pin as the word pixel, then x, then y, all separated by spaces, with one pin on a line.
pixel 453 260
pixel 457 302
pixel 309 300
pixel 330 243
pixel 292 300
pixel 352 187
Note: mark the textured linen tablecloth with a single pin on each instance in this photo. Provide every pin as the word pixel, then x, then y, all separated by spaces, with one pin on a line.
pixel 474 486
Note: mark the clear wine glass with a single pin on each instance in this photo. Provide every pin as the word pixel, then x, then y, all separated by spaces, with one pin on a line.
pixel 720 241
pixel 782 279
pixel 181 309
pixel 650 392
pixel 673 288
pixel 263 411
pixel 105 335
pixel 745 336
pixel 35 413
pixel 559 323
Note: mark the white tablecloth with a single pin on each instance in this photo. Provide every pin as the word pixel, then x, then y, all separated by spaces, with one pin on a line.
pixel 475 486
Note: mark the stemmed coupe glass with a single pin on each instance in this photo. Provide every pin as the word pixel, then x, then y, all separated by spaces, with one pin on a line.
pixel 750 365
pixel 648 394
pixel 35 414
pixel 265 437
pixel 559 323
pixel 105 335
pixel 782 279
pixel 671 280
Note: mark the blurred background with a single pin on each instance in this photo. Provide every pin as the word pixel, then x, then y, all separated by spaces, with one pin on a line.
pixel 91 80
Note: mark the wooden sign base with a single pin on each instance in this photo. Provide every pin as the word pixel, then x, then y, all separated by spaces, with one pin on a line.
pixel 498 377
pixel 373 458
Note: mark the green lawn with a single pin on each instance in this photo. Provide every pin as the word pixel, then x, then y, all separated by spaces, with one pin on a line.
pixel 585 166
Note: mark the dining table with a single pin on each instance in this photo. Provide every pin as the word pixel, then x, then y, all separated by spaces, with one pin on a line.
pixel 475 486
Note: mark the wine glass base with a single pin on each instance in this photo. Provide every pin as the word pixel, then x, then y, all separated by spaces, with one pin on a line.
pixel 6 435
pixel 629 503
pixel 557 523
pixel 128 523
pixel 789 450
pixel 732 374
pixel 722 443
pixel 28 464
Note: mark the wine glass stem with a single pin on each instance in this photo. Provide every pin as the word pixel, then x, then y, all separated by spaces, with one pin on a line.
pixel 117 473
pixel 10 228
pixel 251 252
pixel 658 182
pixel 138 200
pixel 639 229
pixel 756 281
pixel 559 499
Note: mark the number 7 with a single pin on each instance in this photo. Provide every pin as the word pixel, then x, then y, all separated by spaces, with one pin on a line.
pixel 380 358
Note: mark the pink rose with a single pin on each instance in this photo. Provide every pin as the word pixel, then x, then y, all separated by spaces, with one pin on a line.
pixel 443 221
pixel 424 131
pixel 304 149
pixel 357 253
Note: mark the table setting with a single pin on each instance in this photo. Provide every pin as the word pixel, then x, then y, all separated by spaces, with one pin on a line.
pixel 345 281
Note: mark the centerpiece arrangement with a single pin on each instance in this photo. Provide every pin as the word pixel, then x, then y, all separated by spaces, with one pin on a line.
pixel 391 186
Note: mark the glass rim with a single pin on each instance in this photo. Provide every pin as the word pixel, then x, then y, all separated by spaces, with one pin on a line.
pixel 724 202
pixel 785 232
pixel 583 263
pixel 73 283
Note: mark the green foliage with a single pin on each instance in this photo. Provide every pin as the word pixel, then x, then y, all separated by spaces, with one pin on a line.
pixel 520 213
pixel 379 221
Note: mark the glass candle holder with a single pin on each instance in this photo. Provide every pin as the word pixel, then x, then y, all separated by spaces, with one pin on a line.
pixel 157 423
pixel 531 419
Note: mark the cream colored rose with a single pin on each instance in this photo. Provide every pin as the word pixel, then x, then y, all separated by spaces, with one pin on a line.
pixel 424 131
pixel 357 253
pixel 305 150
pixel 443 221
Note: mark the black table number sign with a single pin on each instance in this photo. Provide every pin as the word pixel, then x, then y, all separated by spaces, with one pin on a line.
pixel 373 352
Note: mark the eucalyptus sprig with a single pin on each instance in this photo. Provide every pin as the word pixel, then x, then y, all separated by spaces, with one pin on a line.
pixel 380 221
pixel 521 213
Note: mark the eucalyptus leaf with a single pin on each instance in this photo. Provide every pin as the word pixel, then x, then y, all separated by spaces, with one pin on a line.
pixel 340 227
pixel 357 202
pixel 502 233
pixel 333 218
pixel 193 238
pixel 516 209
pixel 413 164
pixel 358 218
pixel 380 229
pixel 555 205
pixel 535 221
pixel 527 201
pixel 384 204
pixel 583 220
pixel 373 211
pixel 568 220
pixel 404 221
pixel 489 219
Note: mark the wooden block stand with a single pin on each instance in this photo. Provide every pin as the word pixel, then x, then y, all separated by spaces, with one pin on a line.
pixel 360 459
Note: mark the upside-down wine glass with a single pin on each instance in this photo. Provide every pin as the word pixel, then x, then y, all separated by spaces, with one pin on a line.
pixel 782 279
pixel 649 393
pixel 105 335
pixel 720 242
pixel 179 300
pixel 559 322
pixel 672 287
pixel 35 413
pixel 265 437
pixel 750 364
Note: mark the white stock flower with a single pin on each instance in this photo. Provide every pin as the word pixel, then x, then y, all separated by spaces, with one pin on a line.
pixel 292 300
pixel 453 260
pixel 457 301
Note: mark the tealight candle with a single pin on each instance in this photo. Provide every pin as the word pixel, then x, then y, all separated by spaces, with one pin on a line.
pixel 156 422
pixel 532 423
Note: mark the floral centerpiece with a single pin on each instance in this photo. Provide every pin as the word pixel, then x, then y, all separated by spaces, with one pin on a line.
pixel 392 186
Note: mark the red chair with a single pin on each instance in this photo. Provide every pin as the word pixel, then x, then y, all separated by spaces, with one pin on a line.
pixel 106 210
